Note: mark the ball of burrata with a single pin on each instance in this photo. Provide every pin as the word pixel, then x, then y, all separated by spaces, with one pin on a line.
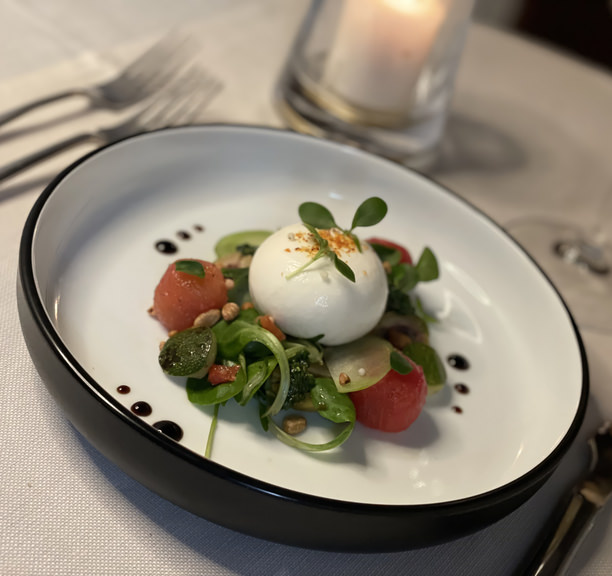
pixel 318 300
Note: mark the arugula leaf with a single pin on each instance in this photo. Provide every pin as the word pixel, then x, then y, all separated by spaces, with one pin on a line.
pixel 257 373
pixel 232 339
pixel 335 406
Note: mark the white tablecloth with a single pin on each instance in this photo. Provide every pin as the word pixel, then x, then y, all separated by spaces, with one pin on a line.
pixel 529 134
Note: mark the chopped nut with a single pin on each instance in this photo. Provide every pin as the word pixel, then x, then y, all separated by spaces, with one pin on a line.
pixel 151 311
pixel 245 261
pixel 398 338
pixel 229 283
pixel 208 318
pixel 294 424
pixel 344 378
pixel 229 260
pixel 387 267
pixel 230 311
pixel 247 306
pixel 162 344
pixel 172 333
pixel 361 371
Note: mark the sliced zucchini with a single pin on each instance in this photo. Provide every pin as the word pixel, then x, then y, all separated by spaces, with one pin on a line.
pixel 190 352
pixel 358 364
pixel 239 241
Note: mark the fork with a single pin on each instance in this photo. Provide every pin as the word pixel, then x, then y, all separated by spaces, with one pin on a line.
pixel 138 81
pixel 180 104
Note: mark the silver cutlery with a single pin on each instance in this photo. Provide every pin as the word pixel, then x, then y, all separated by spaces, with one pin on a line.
pixel 179 104
pixel 138 81
pixel 563 538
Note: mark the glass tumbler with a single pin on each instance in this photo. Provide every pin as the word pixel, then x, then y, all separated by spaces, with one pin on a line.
pixel 378 74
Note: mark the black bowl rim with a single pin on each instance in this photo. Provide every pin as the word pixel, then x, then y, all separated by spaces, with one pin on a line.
pixel 482 501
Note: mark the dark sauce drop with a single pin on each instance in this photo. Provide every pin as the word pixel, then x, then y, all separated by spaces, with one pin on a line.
pixel 141 408
pixel 123 389
pixel 462 388
pixel 457 361
pixel 170 429
pixel 166 247
pixel 183 235
pixel 457 409
pixel 198 228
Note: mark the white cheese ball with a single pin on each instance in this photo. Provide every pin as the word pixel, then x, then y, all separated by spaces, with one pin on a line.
pixel 319 299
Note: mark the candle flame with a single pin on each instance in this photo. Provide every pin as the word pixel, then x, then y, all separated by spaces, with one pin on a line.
pixel 409 6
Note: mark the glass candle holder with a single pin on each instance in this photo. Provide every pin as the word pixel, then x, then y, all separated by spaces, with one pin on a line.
pixel 377 74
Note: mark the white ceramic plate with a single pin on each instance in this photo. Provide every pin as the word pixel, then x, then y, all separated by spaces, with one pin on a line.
pixel 95 266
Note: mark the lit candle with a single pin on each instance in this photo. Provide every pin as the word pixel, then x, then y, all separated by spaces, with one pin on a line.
pixel 379 50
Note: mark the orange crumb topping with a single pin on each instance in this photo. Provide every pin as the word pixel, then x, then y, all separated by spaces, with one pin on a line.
pixel 338 241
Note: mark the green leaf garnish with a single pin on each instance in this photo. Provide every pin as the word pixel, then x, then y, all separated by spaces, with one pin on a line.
pixel 427 358
pixel 369 213
pixel 246 249
pixel 343 267
pixel 335 407
pixel 404 277
pixel 427 266
pixel 191 267
pixel 387 253
pixel 316 215
pixel 400 363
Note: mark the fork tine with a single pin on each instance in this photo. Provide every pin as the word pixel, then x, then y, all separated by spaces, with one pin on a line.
pixel 152 70
pixel 170 47
pixel 181 103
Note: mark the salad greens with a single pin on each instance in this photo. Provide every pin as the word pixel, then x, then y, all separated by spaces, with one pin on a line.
pixel 285 373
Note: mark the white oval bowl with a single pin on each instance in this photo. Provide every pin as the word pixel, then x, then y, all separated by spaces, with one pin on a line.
pixel 89 267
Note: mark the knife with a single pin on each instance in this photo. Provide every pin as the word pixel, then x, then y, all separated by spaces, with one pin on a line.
pixel 562 539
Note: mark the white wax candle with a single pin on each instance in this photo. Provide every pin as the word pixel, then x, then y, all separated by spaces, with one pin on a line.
pixel 379 50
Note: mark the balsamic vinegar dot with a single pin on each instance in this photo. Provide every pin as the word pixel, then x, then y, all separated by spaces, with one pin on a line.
pixel 198 228
pixel 457 361
pixel 183 235
pixel 141 408
pixel 166 247
pixel 457 410
pixel 170 429
pixel 123 389
pixel 462 388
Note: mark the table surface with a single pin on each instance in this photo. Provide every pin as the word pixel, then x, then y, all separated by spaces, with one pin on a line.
pixel 528 135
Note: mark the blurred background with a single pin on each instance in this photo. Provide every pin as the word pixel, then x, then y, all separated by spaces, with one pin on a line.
pixel 582 28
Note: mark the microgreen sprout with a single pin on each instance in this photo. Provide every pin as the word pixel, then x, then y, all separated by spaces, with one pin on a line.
pixel 316 217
